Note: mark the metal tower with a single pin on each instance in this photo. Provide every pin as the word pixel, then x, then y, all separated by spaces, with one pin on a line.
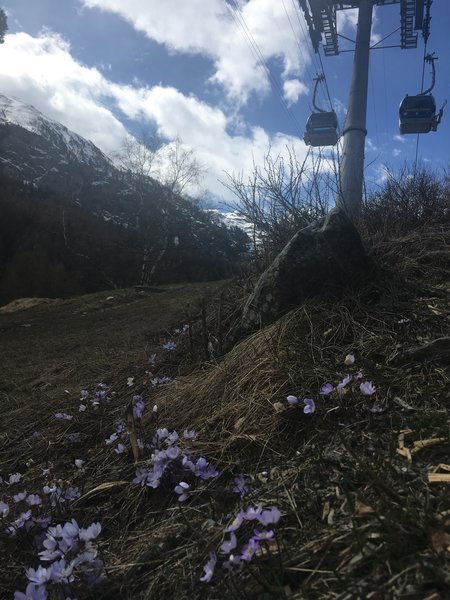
pixel 320 17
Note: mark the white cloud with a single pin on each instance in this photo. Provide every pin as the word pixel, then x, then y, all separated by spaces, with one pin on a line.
pixel 41 71
pixel 396 152
pixel 238 40
pixel 293 89
pixel 399 138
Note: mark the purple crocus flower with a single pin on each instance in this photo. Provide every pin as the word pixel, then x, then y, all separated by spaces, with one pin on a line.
pixel 141 476
pixel 376 410
pixel 72 493
pixel 292 400
pixel 62 416
pixel 20 496
pixel 112 438
pixel 349 359
pixel 33 500
pixel 91 532
pixel 61 572
pixel 182 490
pixel 138 407
pixel 38 576
pixel 233 561
pixel 169 346
pixel 189 434
pixel 33 592
pixel 263 535
pixel 230 544
pixel 204 469
pixel 209 568
pixel 240 487
pixel 249 550
pixel 4 509
pixel 367 388
pixel 309 407
pixel 252 513
pixel 236 522
pixel 269 517
pixel 344 382
pixel 326 389
pixel 120 449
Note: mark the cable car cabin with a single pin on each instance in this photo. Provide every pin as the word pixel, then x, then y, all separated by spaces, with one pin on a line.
pixel 321 129
pixel 417 114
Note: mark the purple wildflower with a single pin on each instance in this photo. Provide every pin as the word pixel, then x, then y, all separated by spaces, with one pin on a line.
pixel 138 407
pixel 232 561
pixel 91 532
pixel 240 487
pixel 349 359
pixel 84 394
pixel 252 513
pixel 112 438
pixel 152 359
pixel 181 489
pixel 344 382
pixel 4 509
pixel 250 550
pixel 209 568
pixel 38 576
pixel 169 346
pixel 141 476
pixel 120 449
pixel 326 389
pixel 367 388
pixel 61 416
pixel 263 535
pixel 33 500
pixel 72 493
pixel 204 469
pixel 269 517
pixel 309 407
pixel 61 572
pixel 292 400
pixel 376 410
pixel 20 496
pixel 235 523
pixel 189 434
pixel 33 592
pixel 230 544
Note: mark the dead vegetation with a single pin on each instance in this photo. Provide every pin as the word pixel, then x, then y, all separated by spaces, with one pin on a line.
pixel 364 495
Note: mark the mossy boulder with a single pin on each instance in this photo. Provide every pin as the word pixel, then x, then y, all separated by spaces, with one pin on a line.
pixel 327 256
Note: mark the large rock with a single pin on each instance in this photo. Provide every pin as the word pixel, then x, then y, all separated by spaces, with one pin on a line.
pixel 326 256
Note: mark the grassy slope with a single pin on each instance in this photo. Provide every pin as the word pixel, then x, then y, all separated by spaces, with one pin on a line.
pixel 359 519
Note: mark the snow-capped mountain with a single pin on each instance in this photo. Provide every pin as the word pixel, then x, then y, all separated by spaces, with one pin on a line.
pixel 72 220
pixel 44 152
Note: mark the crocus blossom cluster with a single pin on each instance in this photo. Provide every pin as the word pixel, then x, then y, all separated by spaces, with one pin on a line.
pixel 309 404
pixel 170 458
pixel 67 551
pixel 238 548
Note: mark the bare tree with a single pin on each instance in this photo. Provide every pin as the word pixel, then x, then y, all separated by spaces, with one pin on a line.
pixel 280 197
pixel 180 169
pixel 175 166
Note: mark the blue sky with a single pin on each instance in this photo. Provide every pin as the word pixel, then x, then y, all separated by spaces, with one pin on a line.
pixel 191 68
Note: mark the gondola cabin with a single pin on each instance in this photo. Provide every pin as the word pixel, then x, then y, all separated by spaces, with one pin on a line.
pixel 417 114
pixel 321 129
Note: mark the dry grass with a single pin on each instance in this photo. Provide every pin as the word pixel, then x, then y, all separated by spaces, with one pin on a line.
pixel 360 520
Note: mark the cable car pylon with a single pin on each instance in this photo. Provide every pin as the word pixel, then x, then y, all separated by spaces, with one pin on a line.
pixel 320 16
